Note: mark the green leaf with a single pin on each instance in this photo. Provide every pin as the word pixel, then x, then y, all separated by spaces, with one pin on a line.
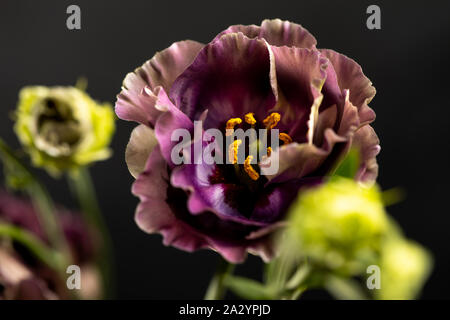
pixel 349 165
pixel 299 277
pixel 297 293
pixel 249 289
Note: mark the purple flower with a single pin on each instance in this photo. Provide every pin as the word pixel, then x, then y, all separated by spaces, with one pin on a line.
pixel 22 275
pixel 268 76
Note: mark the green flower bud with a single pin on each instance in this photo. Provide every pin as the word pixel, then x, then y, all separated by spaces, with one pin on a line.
pixel 339 225
pixel 62 128
pixel 404 267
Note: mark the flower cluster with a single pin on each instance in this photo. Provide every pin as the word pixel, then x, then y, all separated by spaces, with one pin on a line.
pixel 340 225
pixel 342 228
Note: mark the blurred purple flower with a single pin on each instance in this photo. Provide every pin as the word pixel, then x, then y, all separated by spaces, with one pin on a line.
pixel 22 276
pixel 249 76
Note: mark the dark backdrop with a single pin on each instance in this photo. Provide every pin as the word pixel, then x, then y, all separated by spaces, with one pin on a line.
pixel 407 60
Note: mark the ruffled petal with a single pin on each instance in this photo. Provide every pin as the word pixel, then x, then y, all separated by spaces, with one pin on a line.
pixel 263 247
pixel 141 144
pixel 327 119
pixel 250 31
pixel 163 210
pixel 347 126
pixel 167 123
pixel 331 108
pixel 367 142
pixel 350 76
pixel 136 104
pixel 155 216
pixel 299 160
pixel 284 33
pixel 306 159
pixel 276 32
pixel 300 73
pixel 230 77
pixel 350 120
pixel 153 213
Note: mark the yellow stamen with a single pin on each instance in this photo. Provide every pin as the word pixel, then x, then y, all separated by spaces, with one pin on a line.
pixel 285 138
pixel 231 124
pixel 272 120
pixel 249 169
pixel 269 151
pixel 250 118
pixel 233 151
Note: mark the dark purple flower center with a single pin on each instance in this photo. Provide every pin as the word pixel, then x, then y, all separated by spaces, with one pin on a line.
pixel 249 169
pixel 243 184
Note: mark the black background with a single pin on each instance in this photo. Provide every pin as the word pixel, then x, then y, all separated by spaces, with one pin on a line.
pixel 407 60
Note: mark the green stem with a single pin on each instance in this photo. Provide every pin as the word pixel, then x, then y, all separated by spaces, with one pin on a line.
pixel 216 289
pixel 44 205
pixel 82 185
pixel 40 197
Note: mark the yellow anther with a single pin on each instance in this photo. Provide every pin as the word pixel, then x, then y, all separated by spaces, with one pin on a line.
pixel 269 151
pixel 250 118
pixel 249 169
pixel 233 151
pixel 272 120
pixel 231 124
pixel 285 138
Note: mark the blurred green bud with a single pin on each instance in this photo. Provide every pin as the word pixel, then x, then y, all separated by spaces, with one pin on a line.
pixel 62 128
pixel 404 267
pixel 339 226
